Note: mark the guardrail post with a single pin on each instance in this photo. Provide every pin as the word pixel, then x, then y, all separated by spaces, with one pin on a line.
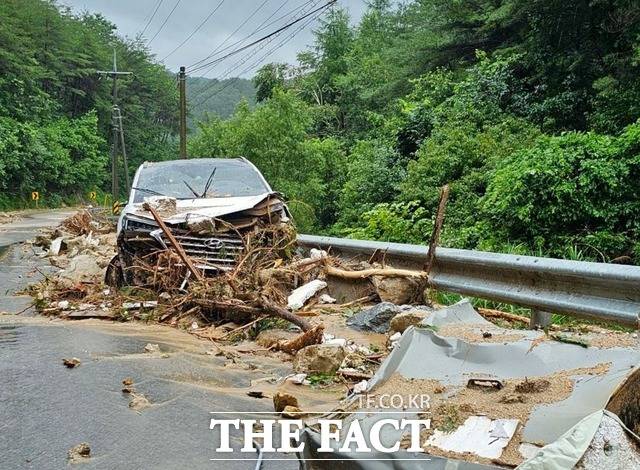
pixel 539 320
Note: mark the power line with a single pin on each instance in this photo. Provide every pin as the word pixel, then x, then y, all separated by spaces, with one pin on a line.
pixel 242 62
pixel 231 35
pixel 263 26
pixel 164 23
pixel 277 31
pixel 194 31
pixel 252 54
pixel 259 61
pixel 153 15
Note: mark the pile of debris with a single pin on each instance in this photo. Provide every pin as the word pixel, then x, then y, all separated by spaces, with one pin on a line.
pixel 270 279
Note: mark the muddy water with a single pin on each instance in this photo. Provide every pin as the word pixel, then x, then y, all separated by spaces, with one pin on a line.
pixel 46 408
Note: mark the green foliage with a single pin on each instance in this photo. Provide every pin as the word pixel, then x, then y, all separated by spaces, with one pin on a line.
pixel 275 137
pixel 267 79
pixel 371 178
pixel 208 98
pixel 55 110
pixel 527 109
pixel 568 190
pixel 63 156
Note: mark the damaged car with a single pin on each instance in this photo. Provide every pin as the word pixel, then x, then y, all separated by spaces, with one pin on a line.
pixel 209 206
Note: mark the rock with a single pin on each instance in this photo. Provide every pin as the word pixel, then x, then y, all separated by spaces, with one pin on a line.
pixel 327 299
pixel 138 402
pixel 292 412
pixel 127 385
pixel 152 348
pixel 298 379
pixel 511 398
pixel 353 361
pixel 283 399
pixel 164 205
pixel 319 359
pixel 269 338
pixel 397 290
pixel 57 246
pixel 79 453
pixel 63 304
pixel 256 394
pixel 71 363
pixel 376 318
pixel 404 320
pixel 82 268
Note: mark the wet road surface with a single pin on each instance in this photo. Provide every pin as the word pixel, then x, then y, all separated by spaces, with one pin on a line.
pixel 45 408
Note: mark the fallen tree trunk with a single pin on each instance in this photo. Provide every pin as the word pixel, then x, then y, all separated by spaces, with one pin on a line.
pixel 365 273
pixel 312 336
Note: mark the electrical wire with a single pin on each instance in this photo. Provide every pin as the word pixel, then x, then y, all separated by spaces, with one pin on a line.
pixel 262 26
pixel 153 15
pixel 164 23
pixel 279 30
pixel 230 35
pixel 194 31
pixel 249 56
pixel 261 59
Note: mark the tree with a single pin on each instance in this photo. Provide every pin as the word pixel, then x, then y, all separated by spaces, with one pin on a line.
pixel 268 78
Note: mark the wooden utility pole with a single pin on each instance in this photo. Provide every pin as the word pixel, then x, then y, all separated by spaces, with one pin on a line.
pixel 182 82
pixel 117 130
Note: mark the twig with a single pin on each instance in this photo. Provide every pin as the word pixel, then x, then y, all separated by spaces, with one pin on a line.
pixel 240 328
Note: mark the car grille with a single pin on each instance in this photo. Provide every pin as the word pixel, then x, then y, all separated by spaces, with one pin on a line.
pixel 218 252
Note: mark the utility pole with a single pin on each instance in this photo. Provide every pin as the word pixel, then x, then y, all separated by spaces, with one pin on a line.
pixel 182 82
pixel 117 129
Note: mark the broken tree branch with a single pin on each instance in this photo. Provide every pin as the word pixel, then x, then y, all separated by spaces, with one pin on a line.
pixel 175 243
pixel 312 336
pixel 277 311
pixel 437 228
pixel 365 273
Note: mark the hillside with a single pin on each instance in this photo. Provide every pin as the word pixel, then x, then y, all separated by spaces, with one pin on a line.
pixel 216 97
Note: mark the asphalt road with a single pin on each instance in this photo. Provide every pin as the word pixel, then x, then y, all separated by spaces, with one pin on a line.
pixel 45 408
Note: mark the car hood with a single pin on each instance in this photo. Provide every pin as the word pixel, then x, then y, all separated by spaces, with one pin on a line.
pixel 199 209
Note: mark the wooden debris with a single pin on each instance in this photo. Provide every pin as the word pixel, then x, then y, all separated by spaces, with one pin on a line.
pixel 175 243
pixel 366 273
pixel 437 228
pixel 312 336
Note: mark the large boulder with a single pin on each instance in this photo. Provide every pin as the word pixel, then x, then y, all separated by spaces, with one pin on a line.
pixel 375 319
pixel 397 290
pixel 319 359
pixel 404 320
pixel 82 268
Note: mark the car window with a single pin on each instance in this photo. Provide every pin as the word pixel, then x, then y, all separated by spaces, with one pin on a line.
pixel 231 179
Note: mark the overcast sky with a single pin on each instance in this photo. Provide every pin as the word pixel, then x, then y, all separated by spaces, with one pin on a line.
pixel 131 16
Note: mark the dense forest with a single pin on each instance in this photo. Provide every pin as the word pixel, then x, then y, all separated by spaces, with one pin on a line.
pixel 212 97
pixel 527 108
pixel 55 110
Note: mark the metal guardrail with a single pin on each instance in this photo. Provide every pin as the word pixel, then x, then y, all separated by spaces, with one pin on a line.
pixel 600 291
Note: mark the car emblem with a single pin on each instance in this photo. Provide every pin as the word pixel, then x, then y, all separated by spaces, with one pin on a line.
pixel 213 243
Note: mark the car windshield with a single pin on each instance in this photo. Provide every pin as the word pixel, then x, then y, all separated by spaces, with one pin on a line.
pixel 232 178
